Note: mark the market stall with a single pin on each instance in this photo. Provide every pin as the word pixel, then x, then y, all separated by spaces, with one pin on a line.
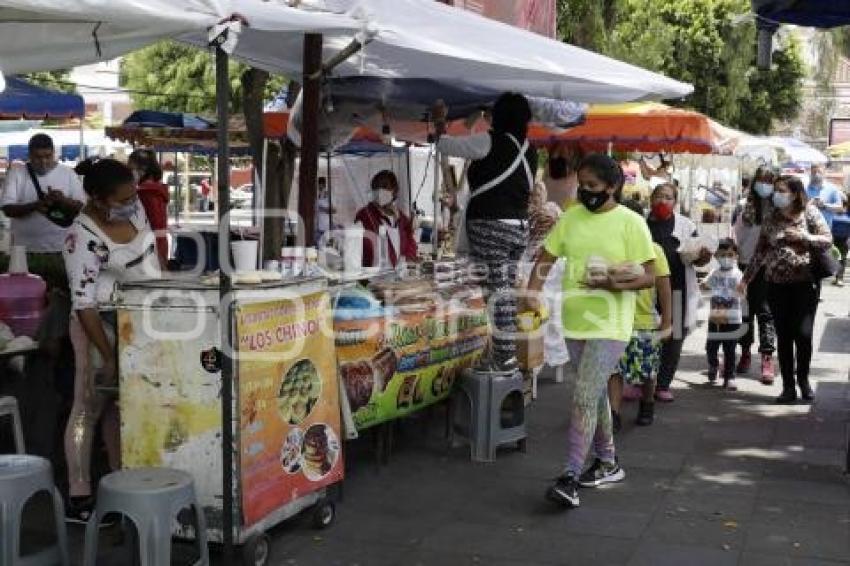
pixel 287 449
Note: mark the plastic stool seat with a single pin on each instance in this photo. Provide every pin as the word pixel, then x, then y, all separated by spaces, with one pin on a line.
pixel 22 477
pixel 151 498
pixel 9 407
pixel 480 402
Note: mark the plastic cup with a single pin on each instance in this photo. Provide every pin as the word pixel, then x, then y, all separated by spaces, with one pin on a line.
pixel 244 255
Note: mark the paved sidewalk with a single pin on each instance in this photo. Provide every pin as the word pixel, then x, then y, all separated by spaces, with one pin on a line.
pixel 720 479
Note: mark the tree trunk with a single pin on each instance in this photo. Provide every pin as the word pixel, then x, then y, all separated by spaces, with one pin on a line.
pixel 279 167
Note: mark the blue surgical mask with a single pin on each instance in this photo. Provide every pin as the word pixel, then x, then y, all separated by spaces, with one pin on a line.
pixel 781 200
pixel 764 190
pixel 726 263
pixel 123 212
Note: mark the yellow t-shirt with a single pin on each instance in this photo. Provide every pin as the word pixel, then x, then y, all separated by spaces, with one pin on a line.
pixel 646 317
pixel 618 236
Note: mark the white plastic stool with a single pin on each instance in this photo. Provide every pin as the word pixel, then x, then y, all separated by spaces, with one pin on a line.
pixel 22 477
pixel 9 408
pixel 150 498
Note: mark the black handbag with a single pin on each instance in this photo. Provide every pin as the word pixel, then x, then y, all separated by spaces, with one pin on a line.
pixel 822 264
pixel 56 213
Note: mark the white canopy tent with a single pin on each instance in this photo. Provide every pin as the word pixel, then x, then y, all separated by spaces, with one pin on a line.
pixel 421 39
pixel 38 35
pixel 780 151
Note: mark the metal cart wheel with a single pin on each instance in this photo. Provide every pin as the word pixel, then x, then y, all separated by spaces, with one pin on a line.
pixel 257 550
pixel 324 514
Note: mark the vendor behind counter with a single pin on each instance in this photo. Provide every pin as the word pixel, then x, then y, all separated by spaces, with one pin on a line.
pixel 383 212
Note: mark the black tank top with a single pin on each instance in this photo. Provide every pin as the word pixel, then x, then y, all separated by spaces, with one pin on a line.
pixel 510 198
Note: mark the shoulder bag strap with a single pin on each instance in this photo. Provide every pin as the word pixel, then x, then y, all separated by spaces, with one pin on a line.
pixel 520 158
pixel 34 179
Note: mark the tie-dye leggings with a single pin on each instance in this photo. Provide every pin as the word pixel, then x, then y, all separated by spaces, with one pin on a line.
pixel 590 418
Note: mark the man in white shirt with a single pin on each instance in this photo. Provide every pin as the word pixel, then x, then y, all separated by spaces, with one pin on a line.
pixel 21 202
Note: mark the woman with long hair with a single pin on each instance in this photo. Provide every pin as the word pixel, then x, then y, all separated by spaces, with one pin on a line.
pixel 598 312
pixel 791 233
pixel 670 230
pixel 747 229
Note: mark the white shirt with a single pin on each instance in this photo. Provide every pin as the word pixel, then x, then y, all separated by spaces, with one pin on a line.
pixel 95 263
pixel 476 146
pixel 34 231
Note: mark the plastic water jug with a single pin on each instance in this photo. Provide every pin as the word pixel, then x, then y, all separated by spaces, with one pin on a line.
pixel 22 296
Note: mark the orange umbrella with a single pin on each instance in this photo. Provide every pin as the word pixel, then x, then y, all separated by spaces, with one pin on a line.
pixel 644 126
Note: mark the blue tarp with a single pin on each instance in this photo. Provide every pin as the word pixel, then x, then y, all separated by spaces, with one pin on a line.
pixel 810 13
pixel 24 100
pixel 155 119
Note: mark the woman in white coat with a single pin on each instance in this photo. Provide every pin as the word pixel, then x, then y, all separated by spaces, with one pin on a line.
pixel 669 230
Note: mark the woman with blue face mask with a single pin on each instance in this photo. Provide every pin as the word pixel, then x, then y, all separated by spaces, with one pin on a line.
pixel 791 233
pixel 109 242
pixel 747 229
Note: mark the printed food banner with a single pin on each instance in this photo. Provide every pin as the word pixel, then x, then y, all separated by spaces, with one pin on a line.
pixel 391 367
pixel 288 402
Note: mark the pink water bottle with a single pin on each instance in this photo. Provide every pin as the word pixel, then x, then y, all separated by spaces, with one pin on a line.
pixel 22 296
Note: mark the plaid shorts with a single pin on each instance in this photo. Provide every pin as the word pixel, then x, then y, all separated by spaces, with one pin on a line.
pixel 642 358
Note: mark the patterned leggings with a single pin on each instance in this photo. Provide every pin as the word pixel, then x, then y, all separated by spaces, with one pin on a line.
pixel 498 246
pixel 590 418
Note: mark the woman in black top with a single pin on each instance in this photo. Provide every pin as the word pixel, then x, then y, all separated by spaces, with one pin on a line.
pixel 500 180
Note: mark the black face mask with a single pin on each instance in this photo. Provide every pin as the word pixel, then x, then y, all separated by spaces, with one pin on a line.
pixel 591 200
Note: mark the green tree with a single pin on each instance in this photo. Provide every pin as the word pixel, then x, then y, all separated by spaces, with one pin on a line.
pixel 181 78
pixel 701 42
pixel 54 80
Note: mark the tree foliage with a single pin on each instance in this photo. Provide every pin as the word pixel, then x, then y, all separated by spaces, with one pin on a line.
pixel 54 80
pixel 174 77
pixel 697 41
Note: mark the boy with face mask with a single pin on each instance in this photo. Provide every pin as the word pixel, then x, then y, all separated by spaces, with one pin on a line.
pixel 382 211
pixel 725 318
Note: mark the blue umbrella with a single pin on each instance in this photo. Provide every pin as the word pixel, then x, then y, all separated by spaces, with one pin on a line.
pixel 810 13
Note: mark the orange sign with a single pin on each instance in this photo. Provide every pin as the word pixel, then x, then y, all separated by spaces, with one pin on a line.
pixel 288 402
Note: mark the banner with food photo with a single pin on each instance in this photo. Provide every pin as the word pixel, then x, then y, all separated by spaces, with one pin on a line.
pixel 288 402
pixel 396 364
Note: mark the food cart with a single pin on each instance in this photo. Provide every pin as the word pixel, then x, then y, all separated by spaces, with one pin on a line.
pixel 287 451
pixel 401 344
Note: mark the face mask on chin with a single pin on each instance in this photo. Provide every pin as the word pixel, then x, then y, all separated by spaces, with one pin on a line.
pixel 592 200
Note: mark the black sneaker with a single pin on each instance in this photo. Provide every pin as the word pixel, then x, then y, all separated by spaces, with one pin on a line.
pixel 646 413
pixel 616 422
pixel 712 374
pixel 601 473
pixel 564 491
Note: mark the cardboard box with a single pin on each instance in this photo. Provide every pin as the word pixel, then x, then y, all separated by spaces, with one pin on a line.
pixel 529 350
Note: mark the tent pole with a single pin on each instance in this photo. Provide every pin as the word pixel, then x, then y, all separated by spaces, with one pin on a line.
pixel 83 136
pixel 435 231
pixel 259 198
pixel 222 103
pixel 330 193
pixel 307 173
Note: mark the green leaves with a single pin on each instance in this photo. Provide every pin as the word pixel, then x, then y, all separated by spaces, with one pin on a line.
pixel 699 42
pixel 180 78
